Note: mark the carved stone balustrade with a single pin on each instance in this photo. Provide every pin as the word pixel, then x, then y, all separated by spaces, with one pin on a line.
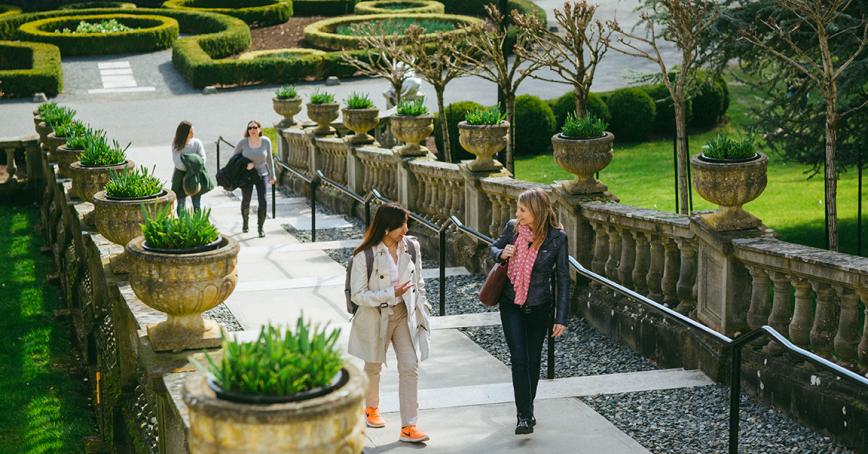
pixel 503 194
pixel 439 188
pixel 295 149
pixel 330 157
pixel 381 167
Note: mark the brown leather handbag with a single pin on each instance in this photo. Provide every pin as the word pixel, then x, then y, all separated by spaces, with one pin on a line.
pixel 493 286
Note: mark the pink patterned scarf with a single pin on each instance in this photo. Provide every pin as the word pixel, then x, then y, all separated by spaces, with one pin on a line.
pixel 521 264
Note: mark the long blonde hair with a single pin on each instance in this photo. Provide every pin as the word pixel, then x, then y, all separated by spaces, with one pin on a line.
pixel 537 201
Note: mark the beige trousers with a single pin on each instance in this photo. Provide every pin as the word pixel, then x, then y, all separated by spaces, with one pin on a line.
pixel 398 333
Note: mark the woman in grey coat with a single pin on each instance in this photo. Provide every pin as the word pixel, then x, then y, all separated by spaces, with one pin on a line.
pixel 257 149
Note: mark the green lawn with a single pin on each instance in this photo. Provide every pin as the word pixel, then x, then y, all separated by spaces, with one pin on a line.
pixel 43 408
pixel 641 174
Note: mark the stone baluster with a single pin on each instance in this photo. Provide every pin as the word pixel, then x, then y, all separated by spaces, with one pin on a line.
pixel 10 164
pixel 628 258
pixel 782 311
pixel 758 313
pixel 825 316
pixel 495 227
pixel 800 325
pixel 341 167
pixel 614 253
pixel 847 337
pixel 686 277
pixel 671 269
pixel 863 345
pixel 601 248
pixel 643 262
pixel 445 205
pixel 655 268
pixel 457 198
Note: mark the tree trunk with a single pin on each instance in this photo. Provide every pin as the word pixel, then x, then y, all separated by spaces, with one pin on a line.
pixel 397 87
pixel 510 146
pixel 581 102
pixel 831 177
pixel 446 154
pixel 681 137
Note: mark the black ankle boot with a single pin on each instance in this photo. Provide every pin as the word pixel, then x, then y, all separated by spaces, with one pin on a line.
pixel 244 223
pixel 261 232
pixel 524 426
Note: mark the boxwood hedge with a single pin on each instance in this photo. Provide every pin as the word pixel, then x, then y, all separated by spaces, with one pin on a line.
pixel 322 7
pixel 322 33
pixel 91 5
pixel 391 7
pixel 256 13
pixel 29 68
pixel 150 33
pixel 9 10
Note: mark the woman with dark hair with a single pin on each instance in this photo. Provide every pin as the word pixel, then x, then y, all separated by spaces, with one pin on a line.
pixel 536 248
pixel 184 146
pixel 392 308
pixel 257 148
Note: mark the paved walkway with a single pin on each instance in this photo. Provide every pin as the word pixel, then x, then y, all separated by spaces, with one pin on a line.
pixel 465 393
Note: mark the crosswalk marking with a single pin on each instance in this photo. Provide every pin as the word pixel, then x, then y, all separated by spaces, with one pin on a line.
pixel 117 77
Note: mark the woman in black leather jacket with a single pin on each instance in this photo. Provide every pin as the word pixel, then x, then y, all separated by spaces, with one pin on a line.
pixel 535 247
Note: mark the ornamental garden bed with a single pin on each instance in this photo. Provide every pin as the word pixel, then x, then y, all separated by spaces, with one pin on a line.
pixel 9 10
pixel 256 13
pixel 27 68
pixel 146 33
pixel 400 6
pixel 91 5
pixel 345 32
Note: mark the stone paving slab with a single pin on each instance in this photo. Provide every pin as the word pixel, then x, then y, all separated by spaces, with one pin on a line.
pixel 563 426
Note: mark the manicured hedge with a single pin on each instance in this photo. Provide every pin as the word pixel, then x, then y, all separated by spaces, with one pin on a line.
pixel 416 7
pixel 256 13
pixel 321 34
pixel 632 114
pixel 664 118
pixel 9 10
pixel 567 104
pixel 91 5
pixel 30 68
pixel 535 126
pixel 322 7
pixel 294 52
pixel 454 114
pixel 710 102
pixel 151 33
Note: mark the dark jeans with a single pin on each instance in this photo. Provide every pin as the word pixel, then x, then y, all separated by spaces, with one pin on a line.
pixel 261 184
pixel 182 203
pixel 525 331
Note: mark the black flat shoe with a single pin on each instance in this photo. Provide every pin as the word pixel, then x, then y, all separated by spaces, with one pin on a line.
pixel 532 421
pixel 523 427
pixel 261 233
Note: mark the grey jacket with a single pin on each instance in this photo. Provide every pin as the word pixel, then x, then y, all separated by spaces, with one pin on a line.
pixel 551 263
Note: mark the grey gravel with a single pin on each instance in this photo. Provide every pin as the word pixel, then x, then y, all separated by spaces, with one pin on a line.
pixel 223 315
pixel 462 294
pixel 580 352
pixel 336 234
pixel 696 420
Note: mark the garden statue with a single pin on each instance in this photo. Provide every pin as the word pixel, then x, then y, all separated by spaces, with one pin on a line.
pixel 409 88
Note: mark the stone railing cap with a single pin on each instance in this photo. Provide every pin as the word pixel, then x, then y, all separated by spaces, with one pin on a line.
pixel 804 254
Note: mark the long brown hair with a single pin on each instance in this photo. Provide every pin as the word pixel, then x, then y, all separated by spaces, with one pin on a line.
pixel 247 130
pixel 390 216
pixel 537 201
pixel 181 135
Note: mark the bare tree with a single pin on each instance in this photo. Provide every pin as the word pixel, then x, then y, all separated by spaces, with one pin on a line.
pixel 437 65
pixel 683 23
pixel 487 59
pixel 822 67
pixel 574 55
pixel 382 57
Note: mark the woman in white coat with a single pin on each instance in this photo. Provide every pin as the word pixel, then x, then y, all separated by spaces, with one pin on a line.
pixel 392 309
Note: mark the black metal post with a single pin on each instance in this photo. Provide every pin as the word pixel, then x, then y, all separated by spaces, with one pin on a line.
pixel 313 184
pixel 442 234
pixel 274 201
pixel 218 154
pixel 368 212
pixel 859 207
pixel 675 164
pixel 734 397
pixel 825 207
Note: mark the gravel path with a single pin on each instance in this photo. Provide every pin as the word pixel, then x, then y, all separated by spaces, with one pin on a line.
pixel 580 352
pixel 222 314
pixel 696 420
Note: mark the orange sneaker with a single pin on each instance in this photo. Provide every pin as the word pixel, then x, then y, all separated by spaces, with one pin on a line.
pixel 411 434
pixel 373 418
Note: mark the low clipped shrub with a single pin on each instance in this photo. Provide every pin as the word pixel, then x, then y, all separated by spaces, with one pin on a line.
pixel 534 126
pixel 150 33
pixel 256 13
pixel 586 127
pixel 279 362
pixel 326 8
pixel 632 113
pixel 91 5
pixel 322 97
pixel 710 102
pixel 133 184
pixel 9 10
pixel 292 52
pixel 664 117
pixel 99 153
pixel 28 68
pixel 566 104
pixel 728 148
pixel 105 26
pixel 344 32
pixel 359 101
pixel 415 108
pixel 485 117
pixel 454 114
pixel 400 6
pixel 189 230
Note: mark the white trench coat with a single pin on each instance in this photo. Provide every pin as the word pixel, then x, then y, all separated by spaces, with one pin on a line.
pixel 368 332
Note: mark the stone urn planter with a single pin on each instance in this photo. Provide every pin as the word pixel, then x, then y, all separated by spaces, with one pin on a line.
pixel 52 142
pixel 730 184
pixel 42 129
pixel 323 115
pixel 120 219
pixel 360 121
pixel 64 157
pixel 583 158
pixel 87 180
pixel 412 130
pixel 183 285
pixel 287 108
pixel 332 423
pixel 484 141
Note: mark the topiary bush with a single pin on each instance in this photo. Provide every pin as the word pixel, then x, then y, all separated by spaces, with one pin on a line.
pixel 566 104
pixel 150 33
pixel 91 5
pixel 710 102
pixel 632 113
pixel 9 10
pixel 534 126
pixel 256 13
pixel 28 68
pixel 454 114
pixel 664 118
pixel 400 6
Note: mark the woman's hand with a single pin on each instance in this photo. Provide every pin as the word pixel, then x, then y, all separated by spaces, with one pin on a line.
pixel 273 180
pixel 558 330
pixel 401 289
pixel 508 251
pixel 249 166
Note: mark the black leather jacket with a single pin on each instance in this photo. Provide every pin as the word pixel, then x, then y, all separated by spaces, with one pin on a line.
pixel 551 262
pixel 235 174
